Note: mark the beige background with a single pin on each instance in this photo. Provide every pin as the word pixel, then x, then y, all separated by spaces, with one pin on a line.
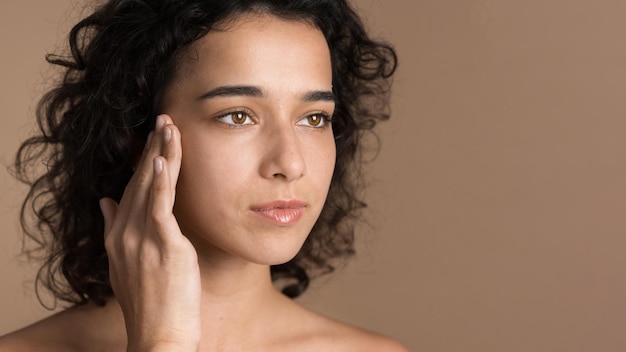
pixel 498 201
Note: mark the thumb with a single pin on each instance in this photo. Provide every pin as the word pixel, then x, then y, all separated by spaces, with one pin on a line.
pixel 108 207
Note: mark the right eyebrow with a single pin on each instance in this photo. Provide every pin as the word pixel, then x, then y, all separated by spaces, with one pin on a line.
pixel 232 91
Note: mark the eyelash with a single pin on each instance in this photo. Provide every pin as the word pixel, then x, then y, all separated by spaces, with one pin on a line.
pixel 245 112
pixel 325 122
pixel 326 119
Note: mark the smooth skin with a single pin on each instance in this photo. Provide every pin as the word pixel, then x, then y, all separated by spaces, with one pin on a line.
pixel 189 252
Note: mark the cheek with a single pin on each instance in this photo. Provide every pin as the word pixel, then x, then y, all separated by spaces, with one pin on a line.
pixel 211 189
pixel 214 170
pixel 322 157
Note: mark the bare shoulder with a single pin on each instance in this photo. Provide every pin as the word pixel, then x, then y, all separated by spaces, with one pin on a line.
pixel 44 335
pixel 351 338
pixel 14 343
pixel 69 330
pixel 317 332
pixel 40 336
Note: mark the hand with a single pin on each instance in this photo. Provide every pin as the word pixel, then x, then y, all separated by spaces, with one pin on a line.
pixel 153 267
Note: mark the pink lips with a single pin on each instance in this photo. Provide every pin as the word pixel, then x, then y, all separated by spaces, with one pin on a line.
pixel 281 212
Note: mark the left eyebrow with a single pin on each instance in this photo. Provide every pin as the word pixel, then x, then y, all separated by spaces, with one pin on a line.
pixel 319 96
pixel 252 91
pixel 233 91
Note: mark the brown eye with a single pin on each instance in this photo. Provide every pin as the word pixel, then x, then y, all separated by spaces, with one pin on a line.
pixel 239 118
pixel 317 120
pixel 314 120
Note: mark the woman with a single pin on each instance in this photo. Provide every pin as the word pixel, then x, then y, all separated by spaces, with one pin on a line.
pixel 214 144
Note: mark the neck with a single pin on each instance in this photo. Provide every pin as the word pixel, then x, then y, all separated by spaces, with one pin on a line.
pixel 236 296
pixel 238 283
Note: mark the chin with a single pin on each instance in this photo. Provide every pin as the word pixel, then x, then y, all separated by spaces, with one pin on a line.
pixel 274 252
pixel 260 247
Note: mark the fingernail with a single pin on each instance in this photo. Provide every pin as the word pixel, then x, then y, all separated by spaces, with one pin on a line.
pixel 158 166
pixel 167 134
pixel 160 122
pixel 148 140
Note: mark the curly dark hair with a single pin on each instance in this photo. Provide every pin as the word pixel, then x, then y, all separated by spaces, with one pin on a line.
pixel 94 123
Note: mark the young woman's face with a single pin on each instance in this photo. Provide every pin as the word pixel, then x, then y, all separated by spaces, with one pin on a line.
pixel 252 103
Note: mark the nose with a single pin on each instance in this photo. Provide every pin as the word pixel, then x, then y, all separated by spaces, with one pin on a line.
pixel 282 156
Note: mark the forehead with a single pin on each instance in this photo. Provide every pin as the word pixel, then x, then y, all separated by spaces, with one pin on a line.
pixel 252 44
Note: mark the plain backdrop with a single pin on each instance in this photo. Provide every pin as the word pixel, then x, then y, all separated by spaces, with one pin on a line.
pixel 497 202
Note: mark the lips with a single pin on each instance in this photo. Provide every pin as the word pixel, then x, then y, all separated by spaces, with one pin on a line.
pixel 281 212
